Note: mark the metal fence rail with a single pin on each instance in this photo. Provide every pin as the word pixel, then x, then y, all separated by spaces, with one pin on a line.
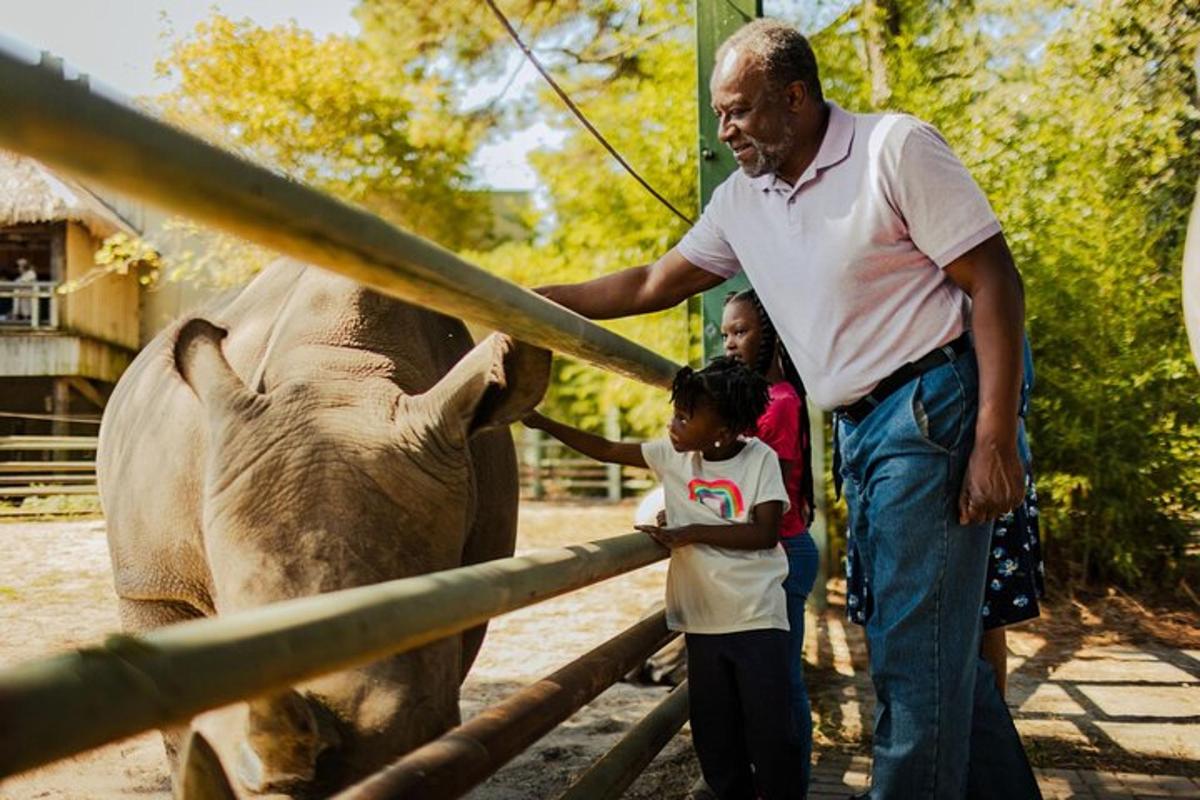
pixel 64 124
pixel 48 476
pixel 452 764
pixel 63 705
pixel 32 305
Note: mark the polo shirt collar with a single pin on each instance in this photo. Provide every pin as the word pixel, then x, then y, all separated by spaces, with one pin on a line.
pixel 834 149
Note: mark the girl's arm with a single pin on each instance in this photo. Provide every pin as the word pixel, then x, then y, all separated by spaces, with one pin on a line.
pixel 760 532
pixel 589 444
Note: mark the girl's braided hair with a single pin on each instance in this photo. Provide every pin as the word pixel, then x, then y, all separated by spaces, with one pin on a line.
pixel 739 395
pixel 769 344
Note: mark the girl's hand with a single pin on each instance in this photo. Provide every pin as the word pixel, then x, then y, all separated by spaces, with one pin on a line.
pixel 661 518
pixel 669 538
pixel 533 420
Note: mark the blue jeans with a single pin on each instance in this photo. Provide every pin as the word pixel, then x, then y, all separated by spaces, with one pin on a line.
pixel 802 572
pixel 941 728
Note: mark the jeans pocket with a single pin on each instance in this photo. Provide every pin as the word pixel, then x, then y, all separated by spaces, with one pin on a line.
pixel 939 407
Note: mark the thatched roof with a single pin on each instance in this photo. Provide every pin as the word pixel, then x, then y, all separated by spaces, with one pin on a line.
pixel 30 193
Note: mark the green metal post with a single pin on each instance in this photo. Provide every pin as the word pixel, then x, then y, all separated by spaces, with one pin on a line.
pixel 715 21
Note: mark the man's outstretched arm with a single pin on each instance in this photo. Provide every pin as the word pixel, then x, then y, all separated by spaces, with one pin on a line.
pixel 639 290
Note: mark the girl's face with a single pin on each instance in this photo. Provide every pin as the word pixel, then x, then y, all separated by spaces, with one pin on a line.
pixel 741 332
pixel 697 430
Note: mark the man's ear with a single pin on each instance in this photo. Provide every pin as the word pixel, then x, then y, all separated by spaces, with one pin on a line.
pixel 495 384
pixel 797 94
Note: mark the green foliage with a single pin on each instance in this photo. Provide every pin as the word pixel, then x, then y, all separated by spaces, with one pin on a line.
pixel 642 98
pixel 1081 125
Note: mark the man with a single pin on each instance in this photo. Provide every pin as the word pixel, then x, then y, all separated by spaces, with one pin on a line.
pixel 874 252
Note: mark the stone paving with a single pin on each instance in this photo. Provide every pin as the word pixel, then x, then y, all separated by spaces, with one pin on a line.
pixel 1086 700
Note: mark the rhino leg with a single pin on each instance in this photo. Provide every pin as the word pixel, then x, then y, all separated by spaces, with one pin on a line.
pixel 284 738
pixel 493 530
pixel 139 616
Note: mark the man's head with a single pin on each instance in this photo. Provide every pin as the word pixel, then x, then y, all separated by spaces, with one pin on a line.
pixel 766 93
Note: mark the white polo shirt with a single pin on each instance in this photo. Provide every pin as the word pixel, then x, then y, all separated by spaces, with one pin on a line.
pixel 848 262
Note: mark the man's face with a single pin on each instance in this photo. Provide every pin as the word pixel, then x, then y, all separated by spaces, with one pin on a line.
pixel 752 117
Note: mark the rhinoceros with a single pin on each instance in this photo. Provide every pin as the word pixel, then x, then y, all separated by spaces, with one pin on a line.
pixel 304 436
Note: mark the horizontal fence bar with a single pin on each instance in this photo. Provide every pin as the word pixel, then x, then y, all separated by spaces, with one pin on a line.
pixel 93 137
pixel 9 467
pixel 81 443
pixel 7 492
pixel 617 769
pixel 59 706
pixel 452 764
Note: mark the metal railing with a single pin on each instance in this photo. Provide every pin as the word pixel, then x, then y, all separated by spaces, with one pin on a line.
pixel 32 305
pixel 60 706
pixel 67 466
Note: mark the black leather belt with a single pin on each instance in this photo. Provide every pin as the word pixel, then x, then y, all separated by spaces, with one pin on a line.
pixel 857 411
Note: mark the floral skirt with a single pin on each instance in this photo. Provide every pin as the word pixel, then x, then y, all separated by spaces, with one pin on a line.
pixel 1015 577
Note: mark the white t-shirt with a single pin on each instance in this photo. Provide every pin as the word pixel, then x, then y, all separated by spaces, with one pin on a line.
pixel 716 589
pixel 848 261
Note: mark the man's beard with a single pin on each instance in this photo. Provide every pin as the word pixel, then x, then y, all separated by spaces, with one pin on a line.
pixel 768 157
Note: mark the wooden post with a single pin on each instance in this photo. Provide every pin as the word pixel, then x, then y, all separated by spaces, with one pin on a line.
pixel 533 458
pixel 62 407
pixel 612 430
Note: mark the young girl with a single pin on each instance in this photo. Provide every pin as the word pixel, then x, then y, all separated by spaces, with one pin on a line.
pixel 724 500
pixel 749 337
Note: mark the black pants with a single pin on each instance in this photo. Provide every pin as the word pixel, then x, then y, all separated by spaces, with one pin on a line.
pixel 741 714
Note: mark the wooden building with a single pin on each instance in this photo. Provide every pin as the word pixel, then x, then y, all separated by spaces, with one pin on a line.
pixel 60 352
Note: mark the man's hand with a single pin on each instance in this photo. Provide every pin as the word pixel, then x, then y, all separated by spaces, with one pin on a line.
pixel 994 483
pixel 534 420
pixel 669 538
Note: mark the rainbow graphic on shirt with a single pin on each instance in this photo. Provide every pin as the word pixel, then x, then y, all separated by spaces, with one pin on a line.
pixel 722 496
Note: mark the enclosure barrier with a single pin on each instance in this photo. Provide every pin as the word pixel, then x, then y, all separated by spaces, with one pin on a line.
pixel 63 705
pixel 59 706
pixel 613 773
pixel 63 123
pixel 452 764
pixel 21 479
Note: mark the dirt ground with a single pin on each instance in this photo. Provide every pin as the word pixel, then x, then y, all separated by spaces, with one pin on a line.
pixel 55 594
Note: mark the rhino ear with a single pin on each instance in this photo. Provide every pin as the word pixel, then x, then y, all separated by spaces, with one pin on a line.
pixel 203 366
pixel 495 384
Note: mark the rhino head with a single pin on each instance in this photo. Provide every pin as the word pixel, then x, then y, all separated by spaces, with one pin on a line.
pixel 324 484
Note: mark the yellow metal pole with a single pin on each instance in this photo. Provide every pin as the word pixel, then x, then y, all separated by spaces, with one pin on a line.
pixel 63 705
pixel 67 125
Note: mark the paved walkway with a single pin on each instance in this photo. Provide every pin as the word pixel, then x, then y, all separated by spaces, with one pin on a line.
pixel 1076 701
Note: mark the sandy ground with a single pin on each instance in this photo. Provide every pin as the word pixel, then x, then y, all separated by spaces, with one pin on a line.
pixel 56 593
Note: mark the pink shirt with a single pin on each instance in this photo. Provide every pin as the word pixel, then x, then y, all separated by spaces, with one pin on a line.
pixel 848 261
pixel 780 427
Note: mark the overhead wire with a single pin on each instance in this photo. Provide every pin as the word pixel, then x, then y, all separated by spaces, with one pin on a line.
pixel 579 115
